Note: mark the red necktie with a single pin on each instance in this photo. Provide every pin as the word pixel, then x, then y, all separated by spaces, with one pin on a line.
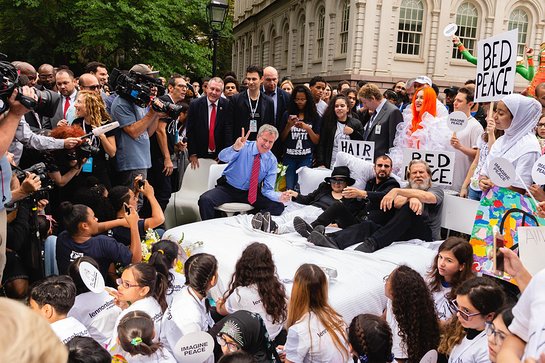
pixel 66 106
pixel 254 179
pixel 211 140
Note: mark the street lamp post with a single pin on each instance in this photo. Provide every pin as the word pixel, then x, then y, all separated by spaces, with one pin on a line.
pixel 217 11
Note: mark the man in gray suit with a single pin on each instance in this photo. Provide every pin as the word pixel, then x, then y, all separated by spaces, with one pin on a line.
pixel 381 128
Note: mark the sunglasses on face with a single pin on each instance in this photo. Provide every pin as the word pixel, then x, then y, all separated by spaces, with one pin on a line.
pixel 91 88
pixel 337 181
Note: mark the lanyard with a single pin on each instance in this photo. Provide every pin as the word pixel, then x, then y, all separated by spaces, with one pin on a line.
pixel 253 110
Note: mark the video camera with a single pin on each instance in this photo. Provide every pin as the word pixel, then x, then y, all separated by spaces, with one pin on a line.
pixel 134 86
pixel 41 171
pixel 47 102
pixel 171 109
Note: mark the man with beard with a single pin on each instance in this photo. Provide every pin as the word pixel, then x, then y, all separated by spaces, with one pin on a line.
pixel 367 206
pixel 417 215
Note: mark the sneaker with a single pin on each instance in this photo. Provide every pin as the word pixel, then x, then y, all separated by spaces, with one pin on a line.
pixel 266 227
pixel 302 227
pixel 367 246
pixel 320 229
pixel 322 240
pixel 274 227
pixel 257 221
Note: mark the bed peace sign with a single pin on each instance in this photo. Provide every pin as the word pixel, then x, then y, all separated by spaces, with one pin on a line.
pixel 241 141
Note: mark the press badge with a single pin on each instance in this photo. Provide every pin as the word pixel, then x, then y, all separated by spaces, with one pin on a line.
pixel 88 166
pixel 377 129
pixel 253 125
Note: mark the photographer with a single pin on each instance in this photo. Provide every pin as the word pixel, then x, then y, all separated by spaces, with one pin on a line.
pixel 133 145
pixel 8 124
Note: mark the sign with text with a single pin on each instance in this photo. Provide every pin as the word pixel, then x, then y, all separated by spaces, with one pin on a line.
pixel 501 172
pixel 531 248
pixel 496 66
pixel 361 149
pixel 538 171
pixel 194 347
pixel 441 164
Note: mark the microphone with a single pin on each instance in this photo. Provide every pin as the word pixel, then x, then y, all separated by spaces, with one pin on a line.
pixel 102 129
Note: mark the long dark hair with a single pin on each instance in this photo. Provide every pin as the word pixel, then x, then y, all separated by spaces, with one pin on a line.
pixel 163 255
pixel 73 215
pixel 136 332
pixel 199 270
pixel 310 107
pixel 256 266
pixel 146 275
pixel 414 311
pixel 329 121
pixel 462 250
pixel 371 337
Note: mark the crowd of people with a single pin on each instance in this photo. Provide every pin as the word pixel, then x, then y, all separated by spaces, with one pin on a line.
pixel 81 195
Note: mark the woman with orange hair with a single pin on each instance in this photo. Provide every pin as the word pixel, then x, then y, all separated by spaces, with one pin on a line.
pixel 424 126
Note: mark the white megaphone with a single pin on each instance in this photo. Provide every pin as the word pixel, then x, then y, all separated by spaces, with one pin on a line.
pixel 102 129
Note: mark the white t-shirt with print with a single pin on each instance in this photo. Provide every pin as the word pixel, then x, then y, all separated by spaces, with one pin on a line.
pixel 399 349
pixel 98 313
pixel 247 298
pixel 177 285
pixel 160 356
pixel 186 314
pixel 529 318
pixel 148 305
pixel 68 328
pixel 471 351
pixel 441 302
pixel 309 341
pixel 468 137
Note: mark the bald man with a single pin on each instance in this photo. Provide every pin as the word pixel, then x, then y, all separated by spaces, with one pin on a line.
pixel 269 86
pixel 27 70
pixel 46 77
pixel 88 81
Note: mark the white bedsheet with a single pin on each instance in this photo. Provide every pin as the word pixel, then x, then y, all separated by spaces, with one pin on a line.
pixel 359 286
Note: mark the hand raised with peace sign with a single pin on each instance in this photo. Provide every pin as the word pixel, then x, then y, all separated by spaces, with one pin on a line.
pixel 241 141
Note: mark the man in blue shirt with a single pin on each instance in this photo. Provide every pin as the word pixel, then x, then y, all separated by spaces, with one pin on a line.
pixel 235 183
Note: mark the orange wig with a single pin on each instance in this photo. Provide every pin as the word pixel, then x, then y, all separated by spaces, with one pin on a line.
pixel 429 105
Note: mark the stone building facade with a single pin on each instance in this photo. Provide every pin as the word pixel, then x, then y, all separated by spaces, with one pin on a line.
pixel 376 40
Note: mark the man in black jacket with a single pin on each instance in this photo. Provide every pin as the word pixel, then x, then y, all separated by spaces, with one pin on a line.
pixel 368 200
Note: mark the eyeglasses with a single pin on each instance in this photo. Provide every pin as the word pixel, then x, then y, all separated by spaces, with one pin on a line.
pixel 540 126
pixel 454 305
pixel 499 336
pixel 233 347
pixel 181 86
pixel 337 181
pixel 92 88
pixel 125 284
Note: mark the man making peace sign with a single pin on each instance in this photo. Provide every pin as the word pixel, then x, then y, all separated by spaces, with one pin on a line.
pixel 249 177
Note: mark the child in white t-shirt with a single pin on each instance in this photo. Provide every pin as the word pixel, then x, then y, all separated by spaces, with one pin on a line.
pixel 255 287
pixel 136 336
pixel 164 256
pixel 52 298
pixel 97 311
pixel 316 332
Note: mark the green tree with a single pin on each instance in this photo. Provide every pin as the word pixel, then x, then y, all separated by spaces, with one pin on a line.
pixel 170 35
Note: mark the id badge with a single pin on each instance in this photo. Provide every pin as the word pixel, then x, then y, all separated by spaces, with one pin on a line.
pixel 377 129
pixel 88 166
pixel 253 125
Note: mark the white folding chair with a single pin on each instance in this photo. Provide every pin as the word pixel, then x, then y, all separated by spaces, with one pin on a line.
pixel 232 208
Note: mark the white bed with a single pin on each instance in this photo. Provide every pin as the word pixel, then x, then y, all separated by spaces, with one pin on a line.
pixel 359 286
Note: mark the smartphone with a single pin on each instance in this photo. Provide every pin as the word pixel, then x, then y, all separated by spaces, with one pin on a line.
pixel 127 209
pixel 141 183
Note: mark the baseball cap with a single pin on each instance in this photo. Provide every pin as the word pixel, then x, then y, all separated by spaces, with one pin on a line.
pixel 423 80
pixel 452 90
pixel 143 69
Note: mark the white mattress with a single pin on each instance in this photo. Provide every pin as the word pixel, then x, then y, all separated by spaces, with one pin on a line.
pixel 359 287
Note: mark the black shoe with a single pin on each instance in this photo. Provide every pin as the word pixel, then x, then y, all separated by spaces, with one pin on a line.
pixel 267 223
pixel 302 227
pixel 322 240
pixel 367 246
pixel 320 229
pixel 257 221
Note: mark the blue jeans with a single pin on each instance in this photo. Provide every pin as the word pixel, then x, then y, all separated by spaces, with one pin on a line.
pixel 473 194
pixel 293 163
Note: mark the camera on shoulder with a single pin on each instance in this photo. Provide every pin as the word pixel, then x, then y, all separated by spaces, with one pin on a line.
pixel 134 86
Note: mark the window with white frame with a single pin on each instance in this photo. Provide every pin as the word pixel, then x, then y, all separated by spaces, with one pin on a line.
pixel 409 33
pixel 519 20
pixel 467 19
pixel 343 48
pixel 320 34
pixel 301 51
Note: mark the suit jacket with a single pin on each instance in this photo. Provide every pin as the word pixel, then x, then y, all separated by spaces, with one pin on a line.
pixel 241 113
pixel 388 118
pixel 52 122
pixel 282 99
pixel 197 127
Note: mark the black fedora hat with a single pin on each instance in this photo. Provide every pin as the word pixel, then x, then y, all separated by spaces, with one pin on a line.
pixel 340 172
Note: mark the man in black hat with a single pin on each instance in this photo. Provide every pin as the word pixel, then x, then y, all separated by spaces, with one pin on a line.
pixel 450 94
pixel 417 216
pixel 367 202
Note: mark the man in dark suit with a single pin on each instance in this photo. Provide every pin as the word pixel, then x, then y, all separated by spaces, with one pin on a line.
pixel 280 99
pixel 385 117
pixel 252 108
pixel 203 140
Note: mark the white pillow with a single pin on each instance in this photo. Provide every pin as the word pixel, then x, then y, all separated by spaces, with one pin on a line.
pixel 309 178
pixel 360 169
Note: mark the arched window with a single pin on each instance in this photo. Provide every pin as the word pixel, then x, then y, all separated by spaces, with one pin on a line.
pixel 409 34
pixel 286 46
pixel 301 51
pixel 344 27
pixel 467 19
pixel 261 60
pixel 320 34
pixel 274 48
pixel 519 19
